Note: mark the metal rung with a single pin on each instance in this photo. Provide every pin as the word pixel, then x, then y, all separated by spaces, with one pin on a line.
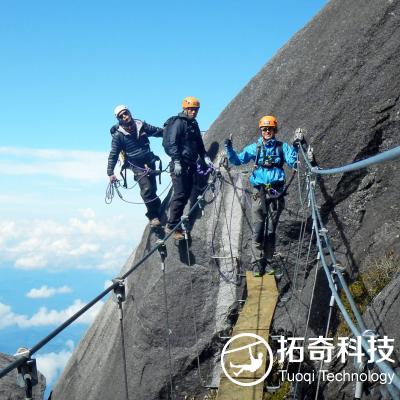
pixel 273 389
pixel 275 337
pixel 225 257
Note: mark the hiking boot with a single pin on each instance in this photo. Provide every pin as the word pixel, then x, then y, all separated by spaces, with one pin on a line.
pixel 155 223
pixel 257 268
pixel 274 270
pixel 269 270
pixel 278 272
pixel 178 235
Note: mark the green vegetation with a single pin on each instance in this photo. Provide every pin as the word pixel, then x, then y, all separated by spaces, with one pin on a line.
pixel 211 395
pixel 368 285
pixel 280 394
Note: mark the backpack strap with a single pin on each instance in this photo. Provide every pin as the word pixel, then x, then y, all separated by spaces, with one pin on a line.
pixel 279 148
pixel 268 161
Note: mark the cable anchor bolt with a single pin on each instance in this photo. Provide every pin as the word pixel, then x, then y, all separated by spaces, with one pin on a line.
pixel 119 290
pixel 200 199
pixel 27 372
pixel 162 249
pixel 185 219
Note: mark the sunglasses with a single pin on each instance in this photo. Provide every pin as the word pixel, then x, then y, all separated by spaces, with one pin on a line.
pixel 123 114
pixel 267 128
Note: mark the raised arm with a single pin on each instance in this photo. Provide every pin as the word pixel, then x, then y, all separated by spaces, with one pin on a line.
pixel 248 154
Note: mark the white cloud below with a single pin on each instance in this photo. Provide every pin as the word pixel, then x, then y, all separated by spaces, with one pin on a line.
pixel 51 364
pixel 68 164
pixel 46 292
pixel 78 243
pixel 45 317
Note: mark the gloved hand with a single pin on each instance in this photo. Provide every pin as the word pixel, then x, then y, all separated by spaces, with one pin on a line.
pixel 228 143
pixel 177 168
pixel 298 136
pixel 208 161
pixel 112 178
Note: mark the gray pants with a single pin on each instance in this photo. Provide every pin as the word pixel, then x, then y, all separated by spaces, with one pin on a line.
pixel 264 227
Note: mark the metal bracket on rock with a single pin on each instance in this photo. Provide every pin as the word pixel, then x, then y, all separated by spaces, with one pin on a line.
pixel 27 372
pixel 119 291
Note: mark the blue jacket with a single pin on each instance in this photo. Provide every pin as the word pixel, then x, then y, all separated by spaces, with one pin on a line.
pixel 262 175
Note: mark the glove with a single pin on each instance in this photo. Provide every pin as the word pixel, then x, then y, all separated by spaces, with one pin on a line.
pixel 112 178
pixel 298 136
pixel 177 168
pixel 228 143
pixel 208 161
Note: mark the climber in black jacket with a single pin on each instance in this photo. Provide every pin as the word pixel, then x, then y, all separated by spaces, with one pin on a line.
pixel 131 136
pixel 184 144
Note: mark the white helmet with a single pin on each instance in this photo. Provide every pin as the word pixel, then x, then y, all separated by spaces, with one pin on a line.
pixel 119 108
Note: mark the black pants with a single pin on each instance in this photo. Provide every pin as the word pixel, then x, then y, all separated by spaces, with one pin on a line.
pixel 148 190
pixel 264 226
pixel 182 185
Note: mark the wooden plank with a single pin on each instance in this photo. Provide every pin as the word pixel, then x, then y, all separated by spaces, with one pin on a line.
pixel 231 391
pixel 260 304
pixel 264 333
pixel 255 317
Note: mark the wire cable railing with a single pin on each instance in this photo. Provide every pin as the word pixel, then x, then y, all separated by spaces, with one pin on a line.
pixel 358 328
pixel 26 355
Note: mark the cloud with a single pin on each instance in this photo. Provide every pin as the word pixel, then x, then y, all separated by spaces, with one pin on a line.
pixel 87 213
pixel 45 317
pixel 77 243
pixel 51 364
pixel 46 292
pixel 67 164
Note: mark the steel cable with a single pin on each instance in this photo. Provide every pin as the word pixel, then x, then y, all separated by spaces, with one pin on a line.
pixel 21 360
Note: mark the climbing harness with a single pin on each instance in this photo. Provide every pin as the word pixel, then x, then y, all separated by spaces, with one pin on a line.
pixel 26 366
pixel 204 170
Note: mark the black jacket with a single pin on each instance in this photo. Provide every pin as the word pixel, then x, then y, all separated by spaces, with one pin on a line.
pixel 135 145
pixel 182 140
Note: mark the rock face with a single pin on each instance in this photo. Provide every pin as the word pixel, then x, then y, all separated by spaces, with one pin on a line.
pixel 9 390
pixel 201 295
pixel 338 78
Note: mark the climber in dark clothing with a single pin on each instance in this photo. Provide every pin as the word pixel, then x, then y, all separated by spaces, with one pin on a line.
pixel 184 144
pixel 267 179
pixel 131 137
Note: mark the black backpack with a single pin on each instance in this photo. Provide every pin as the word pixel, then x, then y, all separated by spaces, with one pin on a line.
pixel 166 132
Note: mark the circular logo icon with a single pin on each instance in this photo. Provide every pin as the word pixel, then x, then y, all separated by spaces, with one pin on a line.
pixel 244 354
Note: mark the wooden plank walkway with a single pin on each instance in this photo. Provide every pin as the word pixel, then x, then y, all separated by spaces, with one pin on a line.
pixel 255 317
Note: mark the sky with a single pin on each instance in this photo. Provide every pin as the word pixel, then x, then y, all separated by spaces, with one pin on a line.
pixel 64 67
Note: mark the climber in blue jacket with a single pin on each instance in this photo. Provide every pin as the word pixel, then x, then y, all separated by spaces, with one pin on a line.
pixel 267 180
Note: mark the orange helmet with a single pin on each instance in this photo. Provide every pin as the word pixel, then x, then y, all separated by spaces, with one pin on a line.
pixel 268 120
pixel 190 102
